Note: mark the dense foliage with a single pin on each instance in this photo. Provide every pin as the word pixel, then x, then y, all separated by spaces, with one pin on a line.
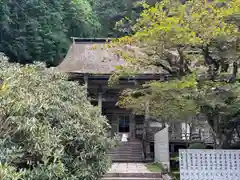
pixel 41 30
pixel 49 130
pixel 109 12
pixel 117 16
pixel 196 45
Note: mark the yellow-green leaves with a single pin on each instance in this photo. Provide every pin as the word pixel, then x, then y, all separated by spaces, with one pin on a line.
pixel 193 23
pixel 182 40
pixel 169 25
pixel 3 87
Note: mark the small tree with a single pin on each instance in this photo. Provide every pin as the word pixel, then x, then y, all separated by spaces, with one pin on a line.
pixel 196 45
pixel 49 130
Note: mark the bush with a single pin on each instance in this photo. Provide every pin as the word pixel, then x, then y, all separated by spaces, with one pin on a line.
pixel 49 130
pixel 197 146
pixel 8 172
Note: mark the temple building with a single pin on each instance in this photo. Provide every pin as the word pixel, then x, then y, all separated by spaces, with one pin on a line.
pixel 93 67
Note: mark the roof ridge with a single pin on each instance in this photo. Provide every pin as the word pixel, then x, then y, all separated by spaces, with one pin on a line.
pixel 78 39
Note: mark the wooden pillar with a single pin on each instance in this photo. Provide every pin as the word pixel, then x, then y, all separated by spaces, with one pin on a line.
pixel 147 114
pixel 136 83
pixel 114 124
pixel 132 126
pixel 172 148
pixel 146 132
pixel 133 120
pixel 100 93
pixel 100 100
pixel 86 83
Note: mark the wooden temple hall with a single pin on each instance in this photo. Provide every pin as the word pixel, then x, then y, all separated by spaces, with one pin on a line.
pixel 93 67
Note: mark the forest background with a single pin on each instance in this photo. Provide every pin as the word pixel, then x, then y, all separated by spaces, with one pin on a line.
pixel 42 30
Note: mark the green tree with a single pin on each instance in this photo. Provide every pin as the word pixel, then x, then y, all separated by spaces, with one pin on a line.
pixel 110 12
pixel 49 130
pixel 41 30
pixel 117 16
pixel 196 45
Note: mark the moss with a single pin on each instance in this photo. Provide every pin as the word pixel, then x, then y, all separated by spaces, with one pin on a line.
pixel 154 167
pixel 197 146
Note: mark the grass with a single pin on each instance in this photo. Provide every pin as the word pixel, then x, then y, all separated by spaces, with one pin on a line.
pixel 154 167
pixel 174 158
pixel 175 175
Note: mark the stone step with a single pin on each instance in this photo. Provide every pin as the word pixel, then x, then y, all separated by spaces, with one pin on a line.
pixel 130 151
pixel 130 178
pixel 131 143
pixel 120 156
pixel 127 160
pixel 126 152
pixel 126 155
pixel 127 175
pixel 123 156
pixel 120 160
pixel 127 149
pixel 127 145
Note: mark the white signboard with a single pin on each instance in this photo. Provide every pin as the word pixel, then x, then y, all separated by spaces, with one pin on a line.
pixel 204 164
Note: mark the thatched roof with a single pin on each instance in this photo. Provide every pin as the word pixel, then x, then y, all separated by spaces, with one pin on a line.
pixel 90 56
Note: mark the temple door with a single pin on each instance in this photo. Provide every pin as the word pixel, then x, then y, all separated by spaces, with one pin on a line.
pixel 124 129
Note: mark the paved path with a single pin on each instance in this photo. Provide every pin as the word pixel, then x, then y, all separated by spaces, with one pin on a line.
pixel 130 171
pixel 128 168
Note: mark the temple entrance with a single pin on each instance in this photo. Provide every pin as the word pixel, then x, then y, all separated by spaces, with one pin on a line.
pixel 123 124
pixel 124 127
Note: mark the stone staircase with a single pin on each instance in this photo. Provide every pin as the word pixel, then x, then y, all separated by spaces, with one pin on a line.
pixel 130 151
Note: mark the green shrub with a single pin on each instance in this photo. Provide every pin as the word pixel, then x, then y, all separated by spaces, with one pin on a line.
pixel 49 130
pixel 197 146
pixel 10 173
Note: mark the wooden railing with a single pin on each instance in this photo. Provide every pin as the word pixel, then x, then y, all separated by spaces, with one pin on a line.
pixel 191 137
